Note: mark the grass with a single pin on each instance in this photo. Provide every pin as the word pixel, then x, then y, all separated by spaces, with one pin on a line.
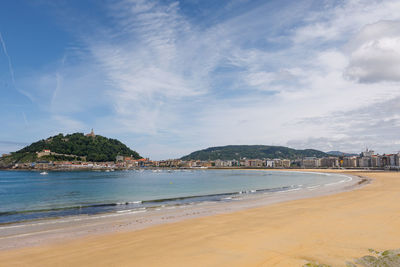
pixel 387 258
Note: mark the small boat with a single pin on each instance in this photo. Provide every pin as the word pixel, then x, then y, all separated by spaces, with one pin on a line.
pixel 44 173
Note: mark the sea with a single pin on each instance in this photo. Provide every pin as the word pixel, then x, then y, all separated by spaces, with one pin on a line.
pixel 30 195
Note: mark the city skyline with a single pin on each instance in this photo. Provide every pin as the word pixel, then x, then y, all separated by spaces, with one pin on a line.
pixel 171 77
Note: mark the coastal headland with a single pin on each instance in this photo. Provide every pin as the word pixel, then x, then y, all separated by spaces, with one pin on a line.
pixel 329 229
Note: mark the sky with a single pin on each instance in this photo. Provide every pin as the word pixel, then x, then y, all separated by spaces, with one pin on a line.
pixel 170 77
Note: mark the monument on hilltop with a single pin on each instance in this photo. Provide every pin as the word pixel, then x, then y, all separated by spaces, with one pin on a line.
pixel 91 134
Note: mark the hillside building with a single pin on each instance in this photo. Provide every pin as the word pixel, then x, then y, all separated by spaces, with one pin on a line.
pixel 91 134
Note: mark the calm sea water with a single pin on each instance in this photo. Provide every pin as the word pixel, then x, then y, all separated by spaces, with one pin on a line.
pixel 27 195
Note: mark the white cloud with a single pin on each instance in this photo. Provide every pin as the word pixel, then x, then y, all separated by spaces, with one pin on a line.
pixel 374 126
pixel 285 79
pixel 375 53
pixel 67 124
pixel 340 21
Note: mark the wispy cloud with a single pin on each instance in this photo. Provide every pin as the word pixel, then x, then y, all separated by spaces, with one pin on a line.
pixel 277 72
pixel 161 60
pixel 7 146
pixel 11 70
pixel 362 127
pixel 25 119
pixel 13 143
pixel 10 67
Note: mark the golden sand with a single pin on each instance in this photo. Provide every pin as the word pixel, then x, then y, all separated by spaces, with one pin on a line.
pixel 331 229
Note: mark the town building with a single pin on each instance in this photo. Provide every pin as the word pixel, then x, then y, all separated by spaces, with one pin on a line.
pixel 367 153
pixel 376 161
pixel 281 163
pixel 329 162
pixel 311 162
pixel 269 163
pixel 364 162
pixel 349 162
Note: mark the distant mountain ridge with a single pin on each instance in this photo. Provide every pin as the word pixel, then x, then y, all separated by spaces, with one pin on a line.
pixel 339 153
pixel 74 146
pixel 252 152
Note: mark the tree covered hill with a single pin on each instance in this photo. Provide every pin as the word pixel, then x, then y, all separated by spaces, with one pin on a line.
pixel 93 148
pixel 340 153
pixel 252 152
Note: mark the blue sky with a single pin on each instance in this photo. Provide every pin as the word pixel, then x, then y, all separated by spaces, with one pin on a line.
pixel 171 77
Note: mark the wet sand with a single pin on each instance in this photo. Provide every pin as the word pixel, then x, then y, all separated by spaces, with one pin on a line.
pixel 329 229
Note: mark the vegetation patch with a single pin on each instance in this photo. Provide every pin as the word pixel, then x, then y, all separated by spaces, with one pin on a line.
pixel 252 152
pixel 313 264
pixel 72 147
pixel 387 258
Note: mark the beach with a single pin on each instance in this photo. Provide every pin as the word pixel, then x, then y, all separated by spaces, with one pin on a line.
pixel 331 227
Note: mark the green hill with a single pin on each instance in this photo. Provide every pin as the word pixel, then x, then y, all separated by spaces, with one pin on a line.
pixel 340 153
pixel 73 146
pixel 252 152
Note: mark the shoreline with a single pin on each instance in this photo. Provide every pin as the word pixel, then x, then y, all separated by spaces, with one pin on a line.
pixel 328 229
pixel 49 230
pixel 359 169
pixel 123 205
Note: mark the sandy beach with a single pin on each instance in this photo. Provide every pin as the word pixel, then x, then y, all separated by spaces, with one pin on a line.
pixel 329 228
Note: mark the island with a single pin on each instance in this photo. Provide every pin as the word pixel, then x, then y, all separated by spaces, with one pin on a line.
pixel 68 151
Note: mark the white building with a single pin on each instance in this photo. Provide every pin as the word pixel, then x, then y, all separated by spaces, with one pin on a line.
pixel 269 163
